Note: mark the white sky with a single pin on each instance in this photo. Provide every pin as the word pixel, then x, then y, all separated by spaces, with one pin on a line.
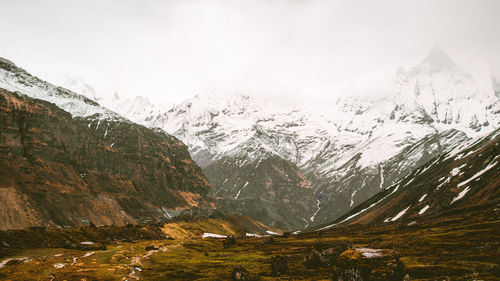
pixel 290 51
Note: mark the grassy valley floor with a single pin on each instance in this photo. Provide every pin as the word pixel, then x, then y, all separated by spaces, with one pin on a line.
pixel 460 246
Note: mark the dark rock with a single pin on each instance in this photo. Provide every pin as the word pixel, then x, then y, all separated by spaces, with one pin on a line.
pixel 324 255
pixel 286 234
pixel 396 269
pixel 267 241
pixel 240 274
pixel 279 266
pixel 313 259
pixel 351 265
pixel 228 242
pixel 151 248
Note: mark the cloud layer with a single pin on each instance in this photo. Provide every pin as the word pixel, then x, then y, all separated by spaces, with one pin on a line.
pixel 286 50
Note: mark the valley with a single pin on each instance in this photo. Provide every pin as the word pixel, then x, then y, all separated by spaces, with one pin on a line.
pixel 460 245
pixel 401 187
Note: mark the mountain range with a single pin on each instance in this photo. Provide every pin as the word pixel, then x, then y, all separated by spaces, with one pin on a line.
pixel 288 167
pixel 298 167
pixel 461 179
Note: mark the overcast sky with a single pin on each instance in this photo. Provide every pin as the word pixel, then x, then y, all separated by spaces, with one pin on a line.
pixel 288 50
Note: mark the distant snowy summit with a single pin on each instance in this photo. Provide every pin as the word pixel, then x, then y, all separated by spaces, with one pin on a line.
pixel 450 95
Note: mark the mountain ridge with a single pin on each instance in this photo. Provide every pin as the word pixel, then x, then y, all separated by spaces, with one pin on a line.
pixel 67 161
pixel 353 151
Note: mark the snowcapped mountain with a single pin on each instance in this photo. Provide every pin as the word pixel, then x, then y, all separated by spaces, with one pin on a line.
pixel 16 79
pixel 463 178
pixel 356 149
pixel 78 85
pixel 451 96
pixel 67 161
pixel 137 108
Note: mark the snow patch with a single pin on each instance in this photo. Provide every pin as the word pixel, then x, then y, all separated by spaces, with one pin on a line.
pixel 317 210
pixel 381 178
pixel 59 265
pixel 455 171
pixel 370 253
pixel 88 254
pixel 478 174
pixel 238 194
pixel 460 195
pixel 422 198
pixel 4 262
pixel 400 214
pixel 443 183
pixel 212 235
pixel 423 210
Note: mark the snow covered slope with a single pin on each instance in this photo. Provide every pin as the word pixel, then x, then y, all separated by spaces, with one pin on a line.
pixel 466 177
pixel 441 91
pixel 16 79
pixel 357 148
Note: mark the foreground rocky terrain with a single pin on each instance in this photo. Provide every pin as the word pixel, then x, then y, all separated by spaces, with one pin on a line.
pixel 462 245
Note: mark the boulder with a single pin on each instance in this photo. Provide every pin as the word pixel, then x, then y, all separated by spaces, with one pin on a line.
pixel 286 234
pixel 396 269
pixel 228 242
pixel 267 241
pixel 324 255
pixel 279 266
pixel 240 274
pixel 151 248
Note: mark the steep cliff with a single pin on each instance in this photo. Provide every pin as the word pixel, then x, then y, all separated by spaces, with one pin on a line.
pixel 59 170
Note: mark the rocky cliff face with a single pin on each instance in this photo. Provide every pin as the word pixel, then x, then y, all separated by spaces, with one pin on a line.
pixel 270 188
pixel 59 170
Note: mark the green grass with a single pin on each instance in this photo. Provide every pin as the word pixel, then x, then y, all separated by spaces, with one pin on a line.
pixel 459 249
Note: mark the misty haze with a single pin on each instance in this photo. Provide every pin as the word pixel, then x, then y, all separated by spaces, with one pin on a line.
pixel 249 140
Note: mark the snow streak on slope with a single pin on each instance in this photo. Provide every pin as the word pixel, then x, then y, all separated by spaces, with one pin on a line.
pixel 430 191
